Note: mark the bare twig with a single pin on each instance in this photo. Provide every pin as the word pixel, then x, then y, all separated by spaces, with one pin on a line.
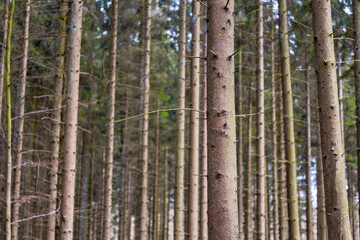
pixel 37 216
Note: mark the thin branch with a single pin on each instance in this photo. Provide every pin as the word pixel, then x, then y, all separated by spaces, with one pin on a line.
pixel 37 216
pixel 247 115
pixel 35 112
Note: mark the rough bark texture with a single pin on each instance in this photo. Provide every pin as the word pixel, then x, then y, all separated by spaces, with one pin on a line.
pixel 8 124
pixel 179 227
pixel 337 210
pixel 145 126
pixel 222 174
pixel 249 231
pixel 356 9
pixel 294 225
pixel 71 120
pixel 193 193
pixel 107 225
pixel 56 123
pixel 20 124
pixel 309 221
pixel 204 186
pixel 261 164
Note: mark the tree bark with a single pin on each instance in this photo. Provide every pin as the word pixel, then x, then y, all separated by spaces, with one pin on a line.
pixel 222 173
pixel 20 124
pixel 294 225
pixel 156 184
pixel 71 120
pixel 3 52
pixel 179 225
pixel 337 209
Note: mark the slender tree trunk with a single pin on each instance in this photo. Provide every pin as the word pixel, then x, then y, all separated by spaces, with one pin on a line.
pixel 204 186
pixel 193 193
pixel 107 225
pixel 8 123
pixel 274 132
pixel 3 51
pixel 20 124
pixel 249 180
pixel 309 216
pixel 156 184
pixel 222 174
pixel 179 225
pixel 145 127
pixel 337 209
pixel 165 209
pixel 261 164
pixel 282 175
pixel 71 119
pixel 294 225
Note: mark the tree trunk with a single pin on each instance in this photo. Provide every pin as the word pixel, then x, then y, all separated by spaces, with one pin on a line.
pixel 193 193
pixel 294 225
pixel 3 52
pixel 56 123
pixel 222 174
pixel 166 201
pixel 71 119
pixel 156 184
pixel 8 123
pixel 337 209
pixel 204 186
pixel 20 124
pixel 179 208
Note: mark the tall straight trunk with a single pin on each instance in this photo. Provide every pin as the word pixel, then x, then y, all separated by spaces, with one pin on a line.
pixel 294 225
pixel 71 119
pixel 179 208
pixel 107 225
pixel 249 231
pixel 282 174
pixel 204 186
pixel 240 144
pixel 337 208
pixel 145 126
pixel 193 193
pixel 356 10
pixel 8 124
pixel 321 211
pixel 56 121
pixel 3 51
pixel 222 173
pixel 156 184
pixel 309 222
pixel 89 198
pixel 20 124
pixel 274 134
pixel 165 198
pixel 261 164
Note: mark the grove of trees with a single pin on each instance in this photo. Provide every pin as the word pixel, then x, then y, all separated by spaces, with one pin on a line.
pixel 180 119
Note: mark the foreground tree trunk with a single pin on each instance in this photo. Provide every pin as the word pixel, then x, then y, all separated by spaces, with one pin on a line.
pixel 179 208
pixel 8 124
pixel 145 127
pixel 248 231
pixel 3 52
pixel 337 209
pixel 156 170
pixel 56 123
pixel 107 225
pixel 261 164
pixel 294 225
pixel 193 194
pixel 71 119
pixel 222 174
pixel 20 124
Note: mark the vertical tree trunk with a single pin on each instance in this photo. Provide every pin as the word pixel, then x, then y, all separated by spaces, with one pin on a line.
pixel 71 119
pixel 309 222
pixel 145 127
pixel 3 51
pixel 156 184
pixel 165 203
pixel 249 180
pixel 8 123
pixel 193 194
pixel 332 147
pixel 274 132
pixel 179 227
pixel 294 231
pixel 222 174
pixel 204 188
pixel 107 225
pixel 56 122
pixel 261 164
pixel 20 123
